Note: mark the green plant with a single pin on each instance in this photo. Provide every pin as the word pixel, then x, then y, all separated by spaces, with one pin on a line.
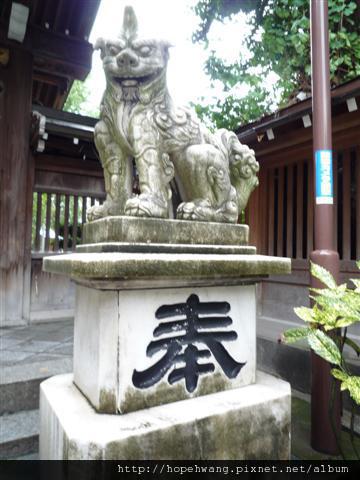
pixel 279 43
pixel 334 309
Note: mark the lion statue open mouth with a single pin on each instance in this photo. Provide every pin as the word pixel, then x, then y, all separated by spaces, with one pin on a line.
pixel 213 172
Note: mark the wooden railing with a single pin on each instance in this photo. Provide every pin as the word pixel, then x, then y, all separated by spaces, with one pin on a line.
pixel 290 222
pixel 58 219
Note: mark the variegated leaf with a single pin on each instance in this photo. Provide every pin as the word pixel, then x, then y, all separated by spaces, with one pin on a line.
pixel 324 346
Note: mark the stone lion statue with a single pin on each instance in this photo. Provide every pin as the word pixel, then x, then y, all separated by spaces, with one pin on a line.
pixel 213 172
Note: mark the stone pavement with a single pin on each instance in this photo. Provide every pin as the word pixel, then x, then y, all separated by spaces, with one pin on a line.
pixel 36 343
pixel 28 355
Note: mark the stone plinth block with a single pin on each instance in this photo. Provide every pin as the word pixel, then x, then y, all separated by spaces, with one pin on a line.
pixel 150 270
pixel 241 424
pixel 157 328
pixel 136 349
pixel 156 230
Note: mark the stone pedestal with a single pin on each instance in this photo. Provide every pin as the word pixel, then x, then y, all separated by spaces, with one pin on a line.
pixel 165 329
pixel 251 423
pixel 114 329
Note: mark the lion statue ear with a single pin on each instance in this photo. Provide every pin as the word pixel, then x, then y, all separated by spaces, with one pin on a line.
pixel 165 48
pixel 100 45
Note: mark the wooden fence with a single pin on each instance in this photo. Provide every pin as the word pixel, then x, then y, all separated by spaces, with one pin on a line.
pixel 290 223
pixel 63 191
pixel 58 220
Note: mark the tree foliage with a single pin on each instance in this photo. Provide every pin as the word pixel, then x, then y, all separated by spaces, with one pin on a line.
pixel 279 43
pixel 76 97
pixel 76 101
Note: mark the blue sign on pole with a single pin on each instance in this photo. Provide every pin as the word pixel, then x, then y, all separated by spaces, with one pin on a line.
pixel 324 177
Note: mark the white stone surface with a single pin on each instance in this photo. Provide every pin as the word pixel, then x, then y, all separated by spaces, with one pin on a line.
pixel 114 328
pixel 247 423
pixel 96 343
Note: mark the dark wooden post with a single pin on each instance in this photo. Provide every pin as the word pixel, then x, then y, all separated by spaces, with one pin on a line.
pixel 15 175
pixel 324 392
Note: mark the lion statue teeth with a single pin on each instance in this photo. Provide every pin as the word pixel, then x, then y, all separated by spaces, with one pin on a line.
pixel 139 124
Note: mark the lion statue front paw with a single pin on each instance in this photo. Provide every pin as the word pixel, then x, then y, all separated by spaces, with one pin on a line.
pixel 146 205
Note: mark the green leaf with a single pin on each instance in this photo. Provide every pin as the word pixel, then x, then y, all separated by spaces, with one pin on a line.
pixel 323 275
pixel 344 322
pixel 339 374
pixel 324 346
pixel 294 334
pixel 305 313
pixel 353 385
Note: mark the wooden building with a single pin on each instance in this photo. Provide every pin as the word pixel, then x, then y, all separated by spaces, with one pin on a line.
pixel 68 178
pixel 281 216
pixel 43 48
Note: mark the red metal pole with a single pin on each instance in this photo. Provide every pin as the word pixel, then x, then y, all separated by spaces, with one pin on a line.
pixel 323 438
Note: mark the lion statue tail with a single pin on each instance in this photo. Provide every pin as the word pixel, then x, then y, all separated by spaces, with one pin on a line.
pixel 243 166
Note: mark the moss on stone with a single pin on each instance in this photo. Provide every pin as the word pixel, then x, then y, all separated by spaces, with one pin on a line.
pixel 234 436
pixel 142 266
pixel 242 435
pixel 140 399
pixel 136 399
pixel 107 401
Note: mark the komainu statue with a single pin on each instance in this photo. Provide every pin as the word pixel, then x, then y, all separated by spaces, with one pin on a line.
pixel 213 172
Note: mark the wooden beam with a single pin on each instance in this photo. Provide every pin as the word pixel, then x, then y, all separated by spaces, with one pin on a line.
pixel 75 221
pixel 280 213
pixel 52 163
pixel 299 209
pixel 28 240
pixel 57 221
pixel 15 108
pixel 252 218
pixel 296 138
pixel 289 211
pixel 346 203
pixel 295 112
pixel 54 53
pixel 66 222
pixel 54 182
pixel 38 220
pixel 335 178
pixel 295 153
pixel 59 54
pixel 60 82
pixel 271 203
pixel 310 210
pixel 83 210
pixel 263 211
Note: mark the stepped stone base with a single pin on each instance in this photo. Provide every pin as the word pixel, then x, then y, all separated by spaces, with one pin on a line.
pixel 251 422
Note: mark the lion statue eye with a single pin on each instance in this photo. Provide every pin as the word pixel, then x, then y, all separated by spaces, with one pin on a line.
pixel 145 50
pixel 114 50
